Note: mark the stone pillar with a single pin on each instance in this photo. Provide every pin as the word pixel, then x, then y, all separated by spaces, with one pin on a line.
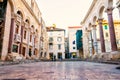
pixel 95 39
pixel 28 41
pixel 101 35
pixel 21 33
pixel 111 29
pixel 11 36
pixel 90 42
pixel 33 43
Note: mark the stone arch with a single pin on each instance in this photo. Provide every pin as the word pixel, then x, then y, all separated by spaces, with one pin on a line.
pixel 32 28
pixel 89 26
pixel 21 12
pixel 36 30
pixel 101 10
pixel 94 19
pixel 27 21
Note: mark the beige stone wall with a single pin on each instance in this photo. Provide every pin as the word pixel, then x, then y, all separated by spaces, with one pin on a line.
pixel 6 32
pixel 32 14
pixel 94 11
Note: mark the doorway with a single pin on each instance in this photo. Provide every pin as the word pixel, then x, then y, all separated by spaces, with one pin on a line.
pixel 59 55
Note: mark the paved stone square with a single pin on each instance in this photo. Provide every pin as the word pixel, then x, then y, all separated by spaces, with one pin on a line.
pixel 78 70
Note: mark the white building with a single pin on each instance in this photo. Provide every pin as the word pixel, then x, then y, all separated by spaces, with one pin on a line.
pixel 56 42
pixel 74 53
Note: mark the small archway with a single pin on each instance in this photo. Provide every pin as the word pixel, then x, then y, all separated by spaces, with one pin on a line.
pixel 19 13
pixel 94 20
pixel 101 12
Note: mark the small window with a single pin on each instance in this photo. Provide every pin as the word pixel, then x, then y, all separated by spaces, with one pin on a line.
pixel 73 47
pixel 50 46
pixel 106 34
pixel 50 39
pixel 74 42
pixel 105 27
pixel 25 34
pixel 59 46
pixel 30 38
pixel 15 48
pixel 59 39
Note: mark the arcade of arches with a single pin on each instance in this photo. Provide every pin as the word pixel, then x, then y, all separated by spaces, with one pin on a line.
pixel 98 47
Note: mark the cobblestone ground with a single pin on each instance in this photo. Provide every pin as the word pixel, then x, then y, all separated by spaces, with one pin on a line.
pixel 60 71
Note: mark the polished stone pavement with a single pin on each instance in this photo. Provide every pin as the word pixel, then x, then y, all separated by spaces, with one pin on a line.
pixel 73 70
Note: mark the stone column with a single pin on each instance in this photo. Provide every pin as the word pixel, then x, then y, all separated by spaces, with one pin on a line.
pixel 90 42
pixel 101 35
pixel 33 43
pixel 21 33
pixel 28 41
pixel 11 36
pixel 95 39
pixel 111 29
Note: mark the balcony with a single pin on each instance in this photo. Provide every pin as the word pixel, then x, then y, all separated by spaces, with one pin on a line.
pixel 18 18
pixel 17 38
pixel 36 45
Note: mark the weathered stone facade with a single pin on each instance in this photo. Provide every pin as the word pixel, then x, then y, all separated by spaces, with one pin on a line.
pixel 90 41
pixel 22 28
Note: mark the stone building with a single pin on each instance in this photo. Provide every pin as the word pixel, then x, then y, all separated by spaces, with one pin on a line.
pixel 43 41
pixel 73 51
pixel 20 28
pixel 56 38
pixel 95 15
pixel 107 35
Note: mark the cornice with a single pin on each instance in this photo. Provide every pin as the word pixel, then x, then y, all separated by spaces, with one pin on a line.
pixel 89 11
pixel 31 11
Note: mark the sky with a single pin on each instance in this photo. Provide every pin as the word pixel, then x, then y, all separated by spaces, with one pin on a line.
pixel 63 13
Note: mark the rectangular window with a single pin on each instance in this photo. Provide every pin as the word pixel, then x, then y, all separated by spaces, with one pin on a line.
pixel 25 34
pixel 50 39
pixel 106 34
pixel 30 38
pixel 59 39
pixel 59 46
pixel 50 46
pixel 15 48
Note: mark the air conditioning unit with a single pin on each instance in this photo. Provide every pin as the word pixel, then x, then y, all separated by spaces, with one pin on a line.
pixel 17 38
